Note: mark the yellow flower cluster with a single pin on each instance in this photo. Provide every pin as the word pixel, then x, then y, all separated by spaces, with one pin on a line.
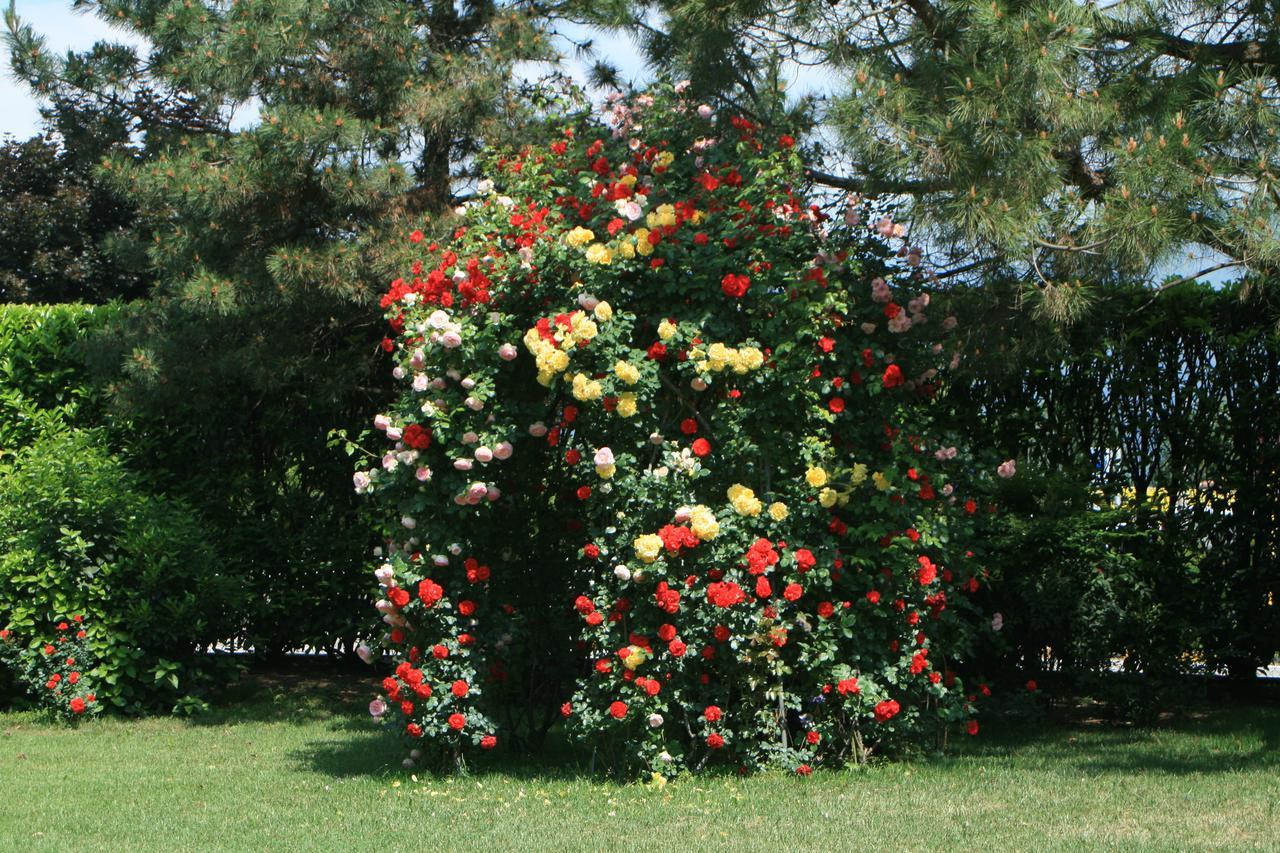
pixel 648 547
pixel 552 358
pixel 744 500
pixel 662 216
pixel 717 357
pixel 703 523
pixel 585 389
pixel 627 372
pixel 579 236
pixel 598 253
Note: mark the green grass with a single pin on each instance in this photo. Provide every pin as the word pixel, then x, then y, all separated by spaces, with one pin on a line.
pixel 304 769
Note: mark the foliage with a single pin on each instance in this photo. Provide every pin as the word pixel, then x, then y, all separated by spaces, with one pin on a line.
pixel 265 146
pixel 43 383
pixel 1147 437
pixel 81 535
pixel 64 236
pixel 52 668
pixel 1069 143
pixel 703 422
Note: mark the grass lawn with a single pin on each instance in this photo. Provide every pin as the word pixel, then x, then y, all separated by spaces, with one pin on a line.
pixel 302 768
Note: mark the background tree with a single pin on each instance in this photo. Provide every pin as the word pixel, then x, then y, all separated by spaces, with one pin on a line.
pixel 266 146
pixel 64 235
pixel 1064 141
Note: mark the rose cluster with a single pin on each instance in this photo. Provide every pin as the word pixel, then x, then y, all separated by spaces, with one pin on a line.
pixel 673 426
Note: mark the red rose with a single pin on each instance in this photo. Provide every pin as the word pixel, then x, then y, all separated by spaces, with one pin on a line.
pixel 712 714
pixel 77 705
pixel 972 727
pixel 688 426
pixel 488 742
pixel 466 607
pixel 725 594
pixel 439 652
pixel 804 770
pixel 813 738
pixel 414 730
pixel 677 648
pixel 735 285
pixel 886 710
pixel 573 457
pixel 459 688
pixel 715 741
pixel 804 559
pixel 701 447
pixel 618 710
pixel 416 236
pixel 763 588
pixel 667 632
pixel 793 592
pixel 399 596
pixel 583 492
pixel 1032 686
pixel 874 596
pixel 892 376
pixel 848 687
pixel 429 592
pixel 836 405
pixel 826 610
pixel 457 722
pixel 417 437
pixel 591 550
pixel 566 709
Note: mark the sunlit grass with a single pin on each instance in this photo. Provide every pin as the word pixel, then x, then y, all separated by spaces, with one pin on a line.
pixel 304 769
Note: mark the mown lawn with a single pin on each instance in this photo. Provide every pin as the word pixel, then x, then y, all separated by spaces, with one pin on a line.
pixel 303 769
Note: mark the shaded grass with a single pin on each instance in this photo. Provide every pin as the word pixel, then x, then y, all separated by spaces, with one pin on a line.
pixel 297 765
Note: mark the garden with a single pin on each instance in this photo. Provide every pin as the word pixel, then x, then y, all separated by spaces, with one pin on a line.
pixel 669 425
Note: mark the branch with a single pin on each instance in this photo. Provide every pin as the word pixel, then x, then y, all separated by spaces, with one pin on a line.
pixel 875 186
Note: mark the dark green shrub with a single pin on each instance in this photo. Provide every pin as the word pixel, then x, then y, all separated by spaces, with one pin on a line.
pixel 79 534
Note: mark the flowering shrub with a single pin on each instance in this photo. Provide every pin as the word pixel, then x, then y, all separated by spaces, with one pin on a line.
pixel 53 670
pixel 649 380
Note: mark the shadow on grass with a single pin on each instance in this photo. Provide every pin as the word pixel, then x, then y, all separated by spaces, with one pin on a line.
pixel 1213 740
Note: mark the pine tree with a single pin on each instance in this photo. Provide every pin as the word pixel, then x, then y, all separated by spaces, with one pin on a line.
pixel 268 146
pixel 1064 141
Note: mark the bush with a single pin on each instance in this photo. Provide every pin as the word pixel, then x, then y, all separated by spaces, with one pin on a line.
pixel 81 535
pixel 52 668
pixel 650 381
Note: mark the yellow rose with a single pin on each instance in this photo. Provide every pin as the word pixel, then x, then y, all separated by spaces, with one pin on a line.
pixel 827 497
pixel 666 330
pixel 558 360
pixel 606 471
pixel 648 547
pixel 778 511
pixel 858 474
pixel 816 477
pixel 579 236
pixel 598 253
pixel 627 249
pixel 604 312
pixel 626 405
pixel 703 522
pixel 744 500
pixel 627 372
pixel 881 481
pixel 585 389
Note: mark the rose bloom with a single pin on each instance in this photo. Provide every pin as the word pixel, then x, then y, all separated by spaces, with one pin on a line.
pixel 457 722
pixel 715 741
pixel 618 710
pixel 712 714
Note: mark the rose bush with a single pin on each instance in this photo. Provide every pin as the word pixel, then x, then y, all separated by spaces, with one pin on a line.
pixel 667 428
pixel 55 669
